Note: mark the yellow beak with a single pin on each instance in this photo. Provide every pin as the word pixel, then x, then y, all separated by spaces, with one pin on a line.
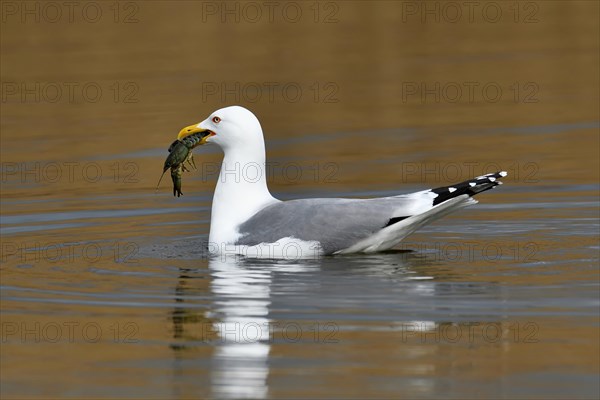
pixel 190 130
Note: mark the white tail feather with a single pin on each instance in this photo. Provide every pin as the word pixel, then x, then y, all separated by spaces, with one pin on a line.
pixel 390 236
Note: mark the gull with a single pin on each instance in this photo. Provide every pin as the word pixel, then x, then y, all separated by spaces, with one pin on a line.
pixel 247 220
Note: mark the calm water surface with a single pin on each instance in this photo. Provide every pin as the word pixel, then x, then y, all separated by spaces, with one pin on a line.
pixel 107 288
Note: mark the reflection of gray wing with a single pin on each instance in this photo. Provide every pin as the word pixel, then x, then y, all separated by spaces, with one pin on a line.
pixel 335 223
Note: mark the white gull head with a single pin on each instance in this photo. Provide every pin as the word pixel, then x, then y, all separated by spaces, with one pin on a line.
pixel 234 128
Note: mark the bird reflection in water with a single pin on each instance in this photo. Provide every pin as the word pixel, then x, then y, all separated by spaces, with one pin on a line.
pixel 243 295
pixel 241 304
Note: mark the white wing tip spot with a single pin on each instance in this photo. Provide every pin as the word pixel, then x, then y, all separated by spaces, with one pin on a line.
pixel 503 173
pixel 472 184
pixel 452 189
pixel 492 179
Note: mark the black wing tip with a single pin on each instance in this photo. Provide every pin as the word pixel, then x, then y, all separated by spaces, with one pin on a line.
pixel 393 220
pixel 470 187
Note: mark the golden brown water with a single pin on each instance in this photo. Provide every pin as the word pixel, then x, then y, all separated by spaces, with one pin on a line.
pixel 107 290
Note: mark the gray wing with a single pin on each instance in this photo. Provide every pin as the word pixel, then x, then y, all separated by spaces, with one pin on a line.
pixel 339 223
pixel 335 223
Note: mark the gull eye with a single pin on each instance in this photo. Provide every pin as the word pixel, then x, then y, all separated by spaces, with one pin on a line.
pixel 216 120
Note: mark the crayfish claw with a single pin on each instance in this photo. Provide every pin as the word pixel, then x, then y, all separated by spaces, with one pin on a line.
pixel 191 161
